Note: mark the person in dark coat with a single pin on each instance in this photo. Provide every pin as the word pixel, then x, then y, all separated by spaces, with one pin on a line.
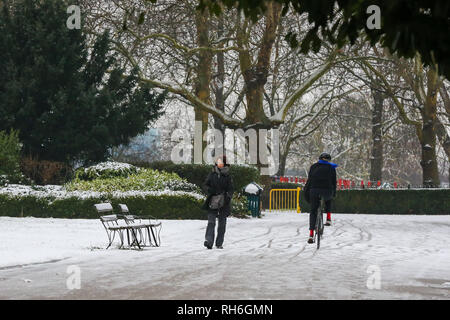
pixel 218 182
pixel 321 183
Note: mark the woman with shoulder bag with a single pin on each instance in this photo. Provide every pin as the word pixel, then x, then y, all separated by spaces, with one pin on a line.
pixel 219 187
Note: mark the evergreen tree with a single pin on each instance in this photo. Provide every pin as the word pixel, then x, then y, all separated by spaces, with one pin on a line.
pixel 10 157
pixel 68 101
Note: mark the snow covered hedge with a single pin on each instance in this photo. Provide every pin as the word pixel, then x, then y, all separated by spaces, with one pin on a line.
pixel 145 191
pixel 113 176
pixel 54 201
pixel 104 170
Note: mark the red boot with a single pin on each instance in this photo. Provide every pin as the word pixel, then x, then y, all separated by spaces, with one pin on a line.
pixel 328 223
pixel 311 236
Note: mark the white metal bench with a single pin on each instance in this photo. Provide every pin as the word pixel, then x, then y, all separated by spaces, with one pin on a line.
pixel 138 233
pixel 147 227
pixel 117 224
pixel 111 223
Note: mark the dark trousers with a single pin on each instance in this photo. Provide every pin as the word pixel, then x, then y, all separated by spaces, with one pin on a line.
pixel 221 215
pixel 315 195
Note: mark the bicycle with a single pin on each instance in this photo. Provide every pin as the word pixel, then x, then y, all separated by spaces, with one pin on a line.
pixel 319 222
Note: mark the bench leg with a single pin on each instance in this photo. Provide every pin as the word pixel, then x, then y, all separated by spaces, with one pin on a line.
pixel 133 232
pixel 121 239
pixel 111 239
pixel 128 237
pixel 154 237
pixel 149 237
pixel 141 237
pixel 109 245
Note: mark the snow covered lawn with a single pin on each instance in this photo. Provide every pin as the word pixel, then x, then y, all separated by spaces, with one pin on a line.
pixel 264 258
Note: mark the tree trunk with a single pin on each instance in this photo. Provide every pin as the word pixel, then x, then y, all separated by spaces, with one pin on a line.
pixel 283 159
pixel 441 131
pixel 255 75
pixel 203 68
pixel 430 174
pixel 428 139
pixel 444 139
pixel 219 81
pixel 282 167
pixel 376 159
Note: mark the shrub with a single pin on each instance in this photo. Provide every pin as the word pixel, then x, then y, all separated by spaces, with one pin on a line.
pixel 46 172
pixel 239 205
pixel 197 173
pixel 106 170
pixel 124 180
pixel 10 157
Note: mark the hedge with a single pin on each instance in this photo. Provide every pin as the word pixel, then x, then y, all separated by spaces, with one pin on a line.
pixel 381 201
pixel 389 202
pixel 143 180
pixel 159 206
pixel 285 185
pixel 197 173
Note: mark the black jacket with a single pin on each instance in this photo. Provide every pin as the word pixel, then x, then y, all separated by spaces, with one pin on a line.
pixel 218 181
pixel 320 176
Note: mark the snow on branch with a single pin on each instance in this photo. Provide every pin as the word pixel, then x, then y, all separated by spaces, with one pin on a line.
pixel 196 102
pixel 281 114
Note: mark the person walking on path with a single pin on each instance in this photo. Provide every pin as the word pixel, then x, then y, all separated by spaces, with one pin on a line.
pixel 321 183
pixel 219 188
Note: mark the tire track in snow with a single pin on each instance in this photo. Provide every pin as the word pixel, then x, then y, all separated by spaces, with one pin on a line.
pixel 299 252
pixel 269 242
pixel 267 232
pixel 362 234
pixel 283 239
pixel 338 227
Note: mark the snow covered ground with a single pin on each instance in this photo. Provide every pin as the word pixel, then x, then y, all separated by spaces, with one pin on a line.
pixel 361 257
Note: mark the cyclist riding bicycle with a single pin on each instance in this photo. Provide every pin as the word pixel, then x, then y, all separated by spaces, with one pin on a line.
pixel 321 183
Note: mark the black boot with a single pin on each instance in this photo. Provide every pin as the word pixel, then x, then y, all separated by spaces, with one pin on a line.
pixel 207 245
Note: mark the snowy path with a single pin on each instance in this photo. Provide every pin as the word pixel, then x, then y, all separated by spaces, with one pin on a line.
pixel 263 259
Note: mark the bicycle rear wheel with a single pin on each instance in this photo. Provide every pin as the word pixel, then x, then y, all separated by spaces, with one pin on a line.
pixel 319 223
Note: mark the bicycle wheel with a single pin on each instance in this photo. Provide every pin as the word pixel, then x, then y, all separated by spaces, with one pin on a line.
pixel 316 229
pixel 319 223
pixel 322 211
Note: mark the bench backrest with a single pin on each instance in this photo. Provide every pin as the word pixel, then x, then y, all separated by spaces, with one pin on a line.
pixel 123 208
pixel 103 207
pixel 109 218
pixel 129 218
